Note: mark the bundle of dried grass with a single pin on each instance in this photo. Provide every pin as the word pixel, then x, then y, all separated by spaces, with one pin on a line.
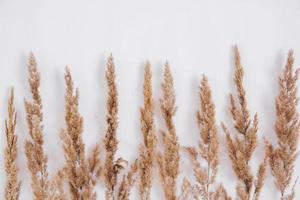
pixel 208 147
pixel 36 158
pixel 287 128
pixel 168 161
pixel 112 166
pixel 12 185
pixel 77 167
pixel 149 138
pixel 82 172
pixel 241 148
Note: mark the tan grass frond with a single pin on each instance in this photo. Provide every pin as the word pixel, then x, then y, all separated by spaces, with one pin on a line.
pixel 208 149
pixel 128 182
pixel 242 146
pixel 56 189
pixel 287 128
pixel 94 164
pixel 169 160
pixel 36 158
pixel 260 177
pixel 242 193
pixel 186 189
pixel 199 171
pixel 112 166
pixel 220 194
pixel 149 137
pixel 12 185
pixel 77 171
pixel 209 144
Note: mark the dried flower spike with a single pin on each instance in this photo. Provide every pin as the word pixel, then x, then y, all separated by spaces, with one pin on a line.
pixel 77 168
pixel 168 161
pixel 57 187
pixel 241 148
pixel 12 186
pixel 112 166
pixel 149 137
pixel 221 194
pixel 208 145
pixel 185 190
pixel 287 128
pixel 127 182
pixel 36 158
pixel 94 164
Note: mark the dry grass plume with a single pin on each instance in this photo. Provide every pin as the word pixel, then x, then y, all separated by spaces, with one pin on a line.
pixel 208 149
pixel 186 190
pixel 77 167
pixel 242 146
pixel 56 189
pixel 127 182
pixel 168 161
pixel 12 185
pixel 287 128
pixel 149 138
pixel 112 166
pixel 36 158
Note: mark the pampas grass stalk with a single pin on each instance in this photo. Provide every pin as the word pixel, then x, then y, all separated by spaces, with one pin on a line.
pixel 169 160
pixel 208 149
pixel 56 189
pixel 112 166
pixel 241 148
pixel 186 188
pixel 94 164
pixel 221 194
pixel 12 185
pixel 282 157
pixel 76 168
pixel 127 182
pixel 149 138
pixel 36 158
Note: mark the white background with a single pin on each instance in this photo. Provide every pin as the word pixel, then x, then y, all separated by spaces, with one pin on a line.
pixel 195 36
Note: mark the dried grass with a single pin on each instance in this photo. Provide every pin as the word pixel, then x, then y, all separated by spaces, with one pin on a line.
pixel 127 182
pixel 83 171
pixel 77 166
pixel 12 185
pixel 36 158
pixel 169 160
pixel 186 188
pixel 56 189
pixel 149 138
pixel 242 146
pixel 287 128
pixel 112 166
pixel 208 149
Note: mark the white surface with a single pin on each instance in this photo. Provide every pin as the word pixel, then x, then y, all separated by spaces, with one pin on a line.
pixel 196 37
